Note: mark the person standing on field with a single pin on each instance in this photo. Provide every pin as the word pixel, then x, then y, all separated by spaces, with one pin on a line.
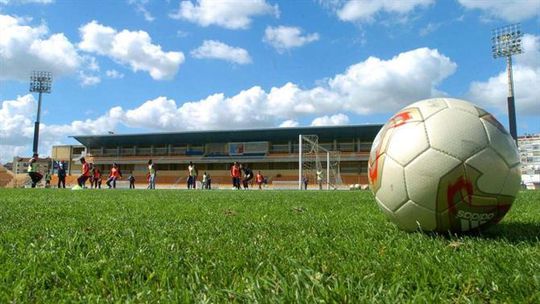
pixel 259 179
pixel 206 180
pixel 248 176
pixel 151 175
pixel 113 176
pixel 61 175
pixel 81 180
pixel 131 180
pixel 235 174
pixel 305 181
pixel 320 178
pixel 35 176
pixel 192 176
pixel 96 174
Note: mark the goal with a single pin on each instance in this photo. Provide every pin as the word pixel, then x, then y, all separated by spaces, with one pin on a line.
pixel 317 164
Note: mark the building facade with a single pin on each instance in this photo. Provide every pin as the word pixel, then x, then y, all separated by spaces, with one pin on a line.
pixel 20 164
pixel 272 151
pixel 69 155
pixel 529 151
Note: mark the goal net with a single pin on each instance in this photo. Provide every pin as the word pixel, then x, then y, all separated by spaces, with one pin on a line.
pixel 317 165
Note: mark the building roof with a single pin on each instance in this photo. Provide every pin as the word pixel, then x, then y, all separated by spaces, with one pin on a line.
pixel 326 134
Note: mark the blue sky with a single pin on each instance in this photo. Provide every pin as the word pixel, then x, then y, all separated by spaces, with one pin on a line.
pixel 148 66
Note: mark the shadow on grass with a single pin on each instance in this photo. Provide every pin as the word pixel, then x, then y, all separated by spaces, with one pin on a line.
pixel 515 232
pixel 512 232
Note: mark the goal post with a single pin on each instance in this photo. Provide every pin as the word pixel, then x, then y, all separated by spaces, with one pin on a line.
pixel 316 163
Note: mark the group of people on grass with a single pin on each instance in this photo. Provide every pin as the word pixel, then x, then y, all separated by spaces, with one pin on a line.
pixel 92 173
pixel 243 173
pixel 242 176
pixel 238 172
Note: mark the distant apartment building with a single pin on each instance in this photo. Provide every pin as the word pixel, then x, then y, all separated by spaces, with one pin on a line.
pixel 529 151
pixel 20 164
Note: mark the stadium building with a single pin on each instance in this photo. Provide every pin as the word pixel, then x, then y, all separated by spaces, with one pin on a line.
pixel 529 151
pixel 272 151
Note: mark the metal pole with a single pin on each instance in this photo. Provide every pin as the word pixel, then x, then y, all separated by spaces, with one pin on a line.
pixel 510 78
pixel 511 103
pixel 327 170
pixel 36 126
pixel 300 173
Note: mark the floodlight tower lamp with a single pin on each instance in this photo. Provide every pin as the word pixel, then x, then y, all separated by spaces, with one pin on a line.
pixel 40 82
pixel 506 41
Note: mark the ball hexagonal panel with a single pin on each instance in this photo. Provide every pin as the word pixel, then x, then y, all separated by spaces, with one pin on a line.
pixel 422 176
pixel 512 184
pixel 389 213
pixel 493 170
pixel 392 193
pixel 501 141
pixel 408 141
pixel 411 217
pixel 463 106
pixel 456 132
pixel 429 107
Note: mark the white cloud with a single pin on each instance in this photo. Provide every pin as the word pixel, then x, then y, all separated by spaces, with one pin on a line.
pixel 508 10
pixel 114 74
pixel 429 28
pixel 334 120
pixel 15 115
pixel 91 63
pixel 241 111
pixel 17 128
pixel 88 80
pixel 231 14
pixel 372 86
pixel 377 85
pixel 289 124
pixel 140 6
pixel 24 48
pixel 367 10
pixel 531 51
pixel 283 38
pixel 218 50
pixel 133 48
pixel 493 92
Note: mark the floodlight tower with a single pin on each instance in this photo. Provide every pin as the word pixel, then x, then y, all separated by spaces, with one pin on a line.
pixel 40 82
pixel 506 41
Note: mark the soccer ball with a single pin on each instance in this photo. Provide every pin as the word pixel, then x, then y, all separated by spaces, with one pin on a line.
pixel 442 165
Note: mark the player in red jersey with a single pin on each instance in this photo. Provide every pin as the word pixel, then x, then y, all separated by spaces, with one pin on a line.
pixel 81 180
pixel 259 179
pixel 235 174
pixel 113 176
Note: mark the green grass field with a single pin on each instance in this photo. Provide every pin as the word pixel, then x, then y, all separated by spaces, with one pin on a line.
pixel 252 246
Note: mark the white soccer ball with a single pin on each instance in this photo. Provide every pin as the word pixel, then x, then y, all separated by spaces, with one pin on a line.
pixel 442 165
pixel 76 188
